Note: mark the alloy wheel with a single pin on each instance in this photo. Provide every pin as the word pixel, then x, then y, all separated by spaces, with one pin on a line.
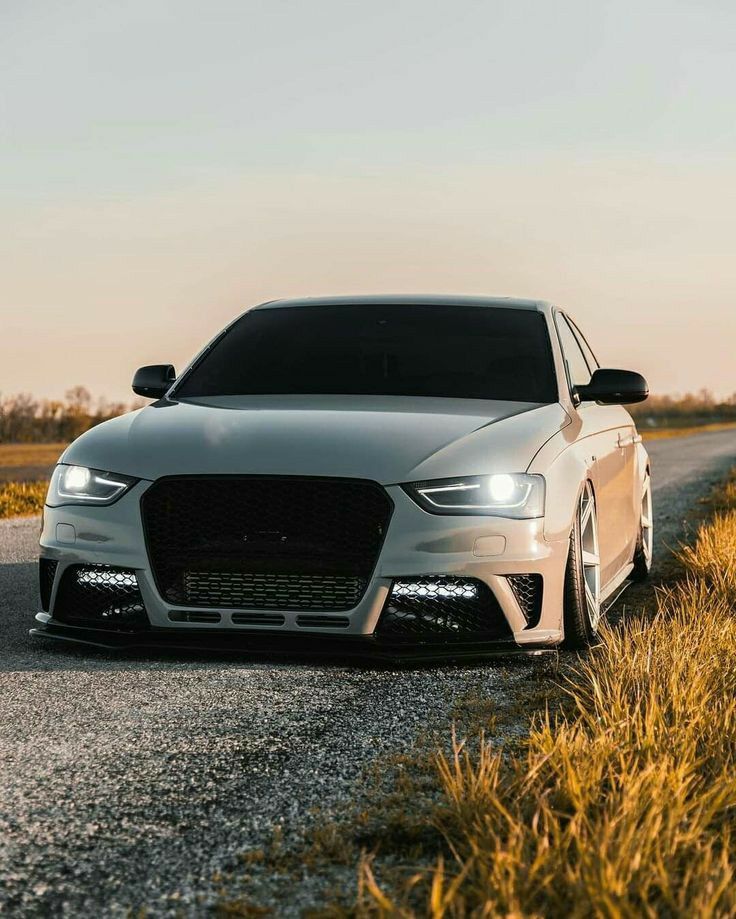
pixel 590 555
pixel 647 523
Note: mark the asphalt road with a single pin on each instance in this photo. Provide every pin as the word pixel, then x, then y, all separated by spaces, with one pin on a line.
pixel 132 781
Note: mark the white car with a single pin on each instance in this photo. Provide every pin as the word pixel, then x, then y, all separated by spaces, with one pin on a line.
pixel 408 476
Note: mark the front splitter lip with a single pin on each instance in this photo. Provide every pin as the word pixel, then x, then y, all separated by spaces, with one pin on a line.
pixel 284 645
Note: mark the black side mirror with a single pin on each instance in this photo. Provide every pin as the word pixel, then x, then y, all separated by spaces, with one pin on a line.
pixel 614 387
pixel 154 380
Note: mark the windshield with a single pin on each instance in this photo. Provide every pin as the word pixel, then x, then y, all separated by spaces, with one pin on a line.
pixel 464 352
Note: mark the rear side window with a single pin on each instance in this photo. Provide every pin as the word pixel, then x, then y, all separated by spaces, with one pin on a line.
pixel 467 352
pixel 591 359
pixel 578 371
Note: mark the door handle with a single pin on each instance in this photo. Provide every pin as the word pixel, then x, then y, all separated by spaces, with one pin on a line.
pixel 628 440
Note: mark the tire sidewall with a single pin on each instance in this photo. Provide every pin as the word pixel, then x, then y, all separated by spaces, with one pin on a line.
pixel 578 629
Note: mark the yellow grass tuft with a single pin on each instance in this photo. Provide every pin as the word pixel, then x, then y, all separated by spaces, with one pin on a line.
pixel 624 803
pixel 712 559
pixel 22 499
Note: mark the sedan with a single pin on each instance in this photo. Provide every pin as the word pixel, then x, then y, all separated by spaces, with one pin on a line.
pixel 402 476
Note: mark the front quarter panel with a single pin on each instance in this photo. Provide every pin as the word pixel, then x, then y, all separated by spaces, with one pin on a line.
pixel 565 462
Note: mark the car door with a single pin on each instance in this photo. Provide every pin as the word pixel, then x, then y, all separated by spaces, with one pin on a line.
pixel 603 427
pixel 628 496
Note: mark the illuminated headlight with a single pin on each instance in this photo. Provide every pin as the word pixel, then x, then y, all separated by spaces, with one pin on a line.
pixel 80 485
pixel 501 495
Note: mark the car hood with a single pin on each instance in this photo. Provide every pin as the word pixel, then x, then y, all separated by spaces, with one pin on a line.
pixel 389 439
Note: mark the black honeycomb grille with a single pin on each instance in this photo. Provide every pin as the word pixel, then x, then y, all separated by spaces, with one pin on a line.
pixel 46 574
pixel 442 609
pixel 527 589
pixel 100 596
pixel 251 542
pixel 272 591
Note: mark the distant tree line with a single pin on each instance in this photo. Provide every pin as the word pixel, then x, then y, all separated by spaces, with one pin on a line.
pixel 24 419
pixel 701 407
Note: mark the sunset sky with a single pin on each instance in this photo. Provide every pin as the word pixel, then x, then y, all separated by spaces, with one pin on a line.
pixel 165 165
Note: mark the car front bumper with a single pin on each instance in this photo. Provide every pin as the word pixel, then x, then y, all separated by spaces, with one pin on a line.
pixel 417 544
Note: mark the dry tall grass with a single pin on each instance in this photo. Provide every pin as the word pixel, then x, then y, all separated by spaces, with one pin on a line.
pixel 22 499
pixel 624 804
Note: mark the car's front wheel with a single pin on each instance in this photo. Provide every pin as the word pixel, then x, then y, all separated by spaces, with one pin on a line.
pixel 582 600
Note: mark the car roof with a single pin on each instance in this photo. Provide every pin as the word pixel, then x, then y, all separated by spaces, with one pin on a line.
pixel 409 300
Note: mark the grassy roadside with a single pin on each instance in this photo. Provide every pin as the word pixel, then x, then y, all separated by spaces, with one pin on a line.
pixel 604 787
pixel 622 799
pixel 28 462
pixel 22 499
pixel 24 476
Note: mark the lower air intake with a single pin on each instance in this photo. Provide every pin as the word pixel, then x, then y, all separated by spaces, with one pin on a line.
pixel 46 574
pixel 100 596
pixel 442 609
pixel 178 615
pixel 527 589
pixel 272 591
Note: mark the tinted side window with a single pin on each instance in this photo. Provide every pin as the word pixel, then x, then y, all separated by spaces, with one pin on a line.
pixel 577 367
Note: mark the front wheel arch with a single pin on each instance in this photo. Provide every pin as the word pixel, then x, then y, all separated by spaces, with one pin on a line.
pixel 581 590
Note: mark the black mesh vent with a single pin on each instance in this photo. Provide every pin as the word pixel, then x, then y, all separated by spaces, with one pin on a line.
pixel 100 596
pixel 442 609
pixel 264 542
pixel 323 622
pixel 270 619
pixel 185 615
pixel 527 589
pixel 46 574
pixel 272 591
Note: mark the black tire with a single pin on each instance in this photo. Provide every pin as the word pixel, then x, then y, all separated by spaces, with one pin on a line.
pixel 640 571
pixel 642 565
pixel 579 630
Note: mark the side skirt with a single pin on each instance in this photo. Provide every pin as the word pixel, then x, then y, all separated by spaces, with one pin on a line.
pixel 615 587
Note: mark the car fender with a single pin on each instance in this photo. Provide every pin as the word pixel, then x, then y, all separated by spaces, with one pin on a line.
pixel 643 462
pixel 565 464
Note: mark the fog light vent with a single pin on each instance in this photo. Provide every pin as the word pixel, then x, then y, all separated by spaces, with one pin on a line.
pixel 46 574
pixel 100 596
pixel 527 589
pixel 442 609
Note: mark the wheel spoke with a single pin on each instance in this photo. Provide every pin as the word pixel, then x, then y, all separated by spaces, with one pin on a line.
pixel 593 607
pixel 647 523
pixel 590 555
pixel 591 559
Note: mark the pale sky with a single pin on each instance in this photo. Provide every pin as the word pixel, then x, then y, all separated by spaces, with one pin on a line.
pixel 165 165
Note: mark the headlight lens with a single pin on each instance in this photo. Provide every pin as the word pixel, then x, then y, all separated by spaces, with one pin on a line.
pixel 502 495
pixel 80 485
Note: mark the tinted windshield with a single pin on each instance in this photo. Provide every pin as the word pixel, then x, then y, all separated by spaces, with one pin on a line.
pixel 454 351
